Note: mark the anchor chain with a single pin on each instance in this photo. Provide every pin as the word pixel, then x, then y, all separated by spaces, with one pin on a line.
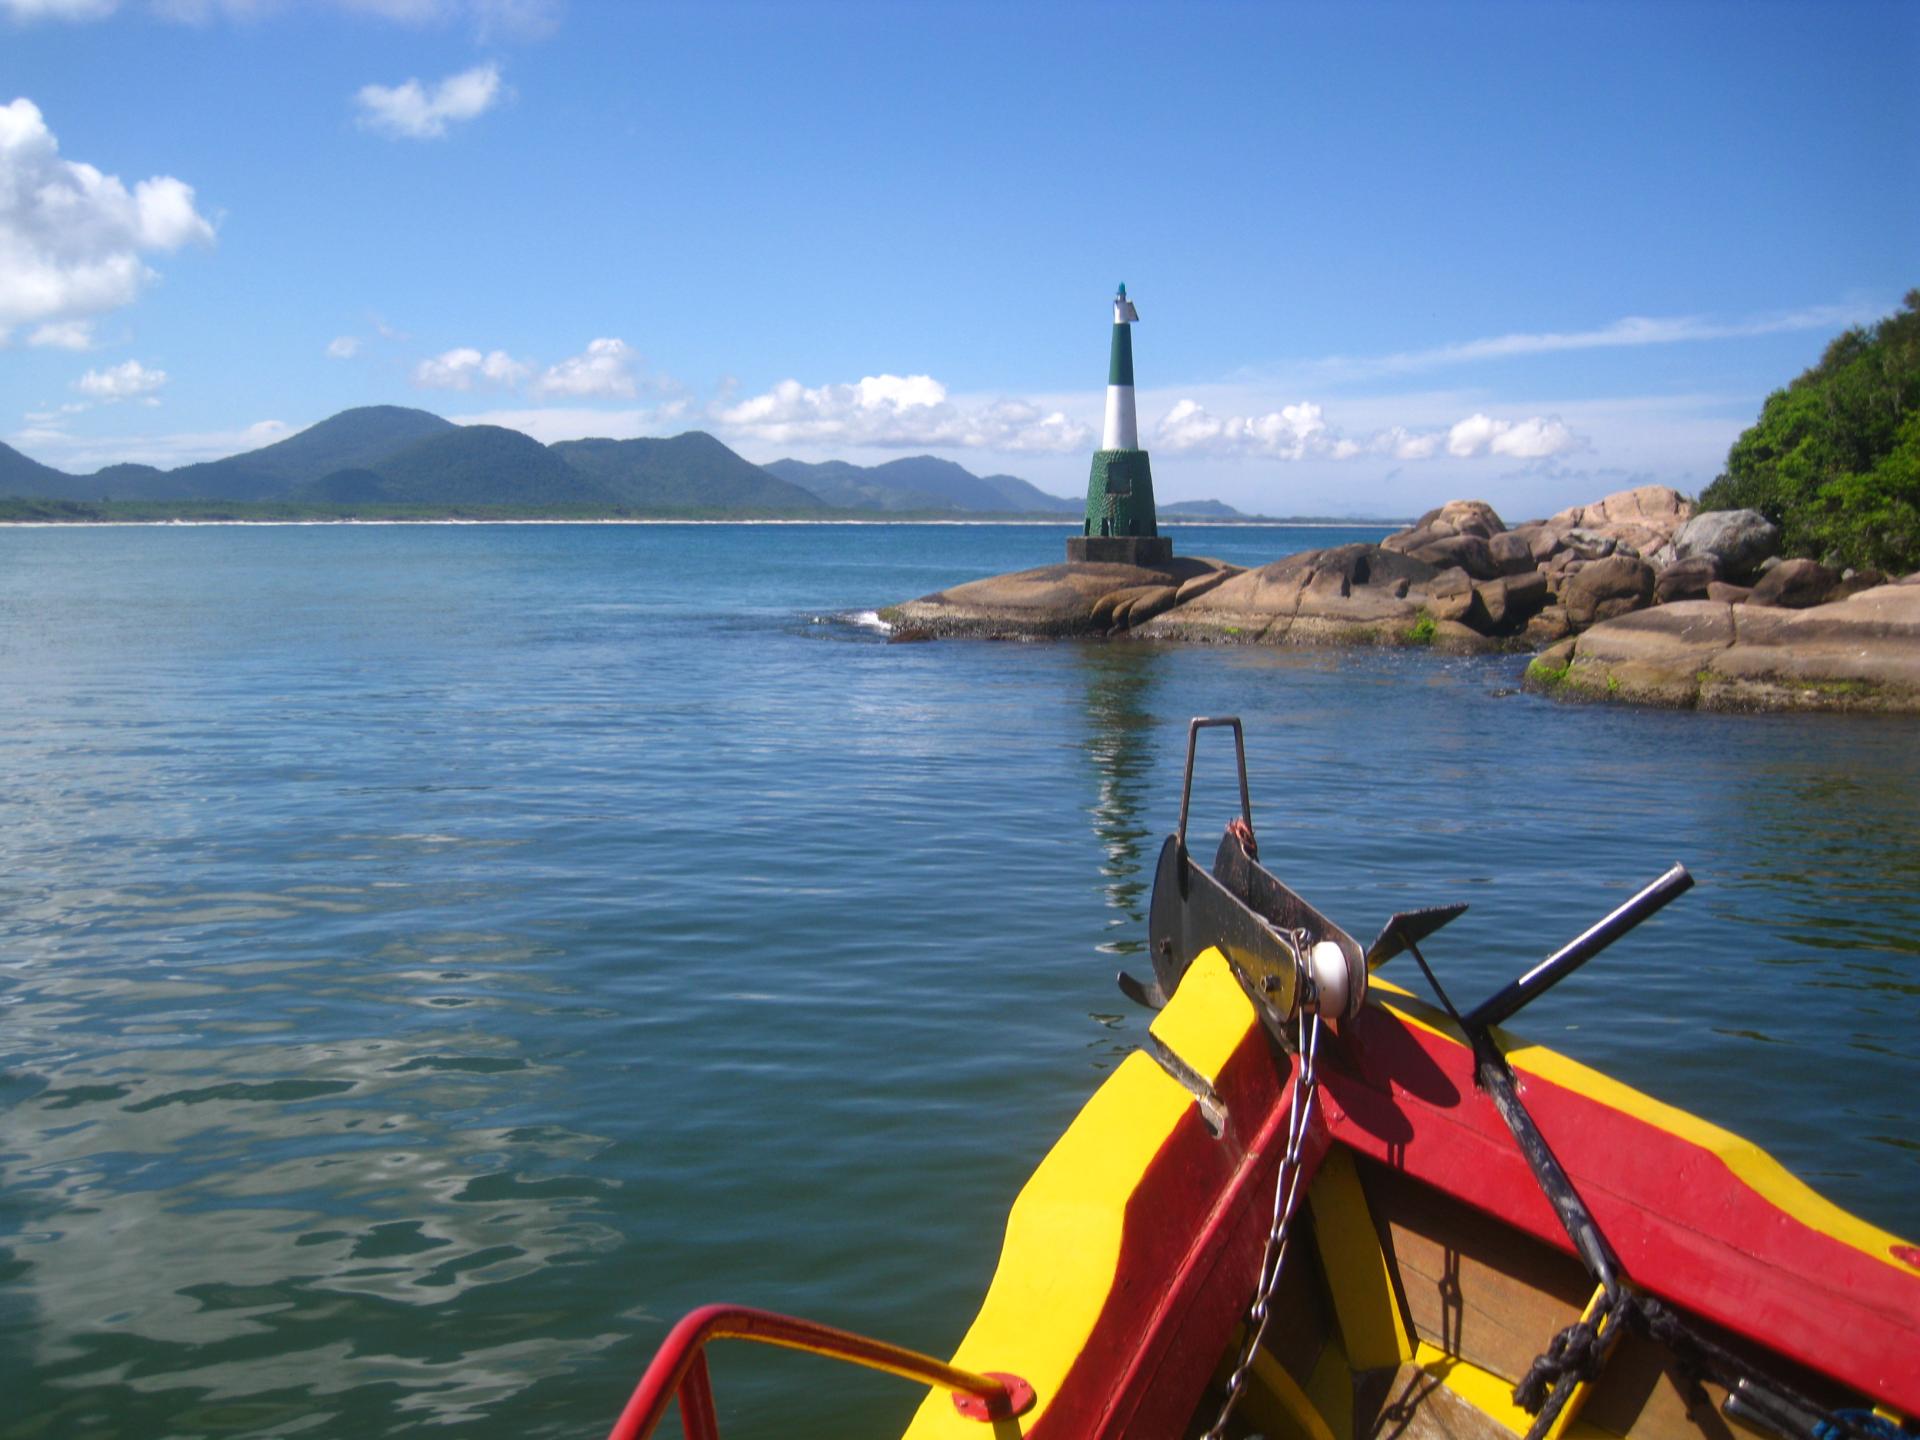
pixel 1286 1198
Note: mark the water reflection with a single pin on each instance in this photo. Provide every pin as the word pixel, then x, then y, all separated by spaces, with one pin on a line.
pixel 1119 742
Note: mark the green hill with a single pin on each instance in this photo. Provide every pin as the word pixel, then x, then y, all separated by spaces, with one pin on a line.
pixel 22 476
pixel 693 471
pixel 1024 496
pixel 483 465
pixel 1834 459
pixel 919 482
pixel 353 439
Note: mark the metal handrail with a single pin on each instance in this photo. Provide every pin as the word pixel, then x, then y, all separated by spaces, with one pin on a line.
pixel 679 1370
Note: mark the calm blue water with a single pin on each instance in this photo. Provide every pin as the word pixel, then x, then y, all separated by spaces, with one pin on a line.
pixel 434 958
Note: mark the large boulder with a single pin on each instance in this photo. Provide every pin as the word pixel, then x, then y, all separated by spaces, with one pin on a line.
pixel 1645 517
pixel 1796 585
pixel 1052 600
pixel 1348 594
pixel 1686 579
pixel 1471 518
pixel 1740 540
pixel 1512 553
pixel 1605 589
pixel 1511 601
pixel 1471 553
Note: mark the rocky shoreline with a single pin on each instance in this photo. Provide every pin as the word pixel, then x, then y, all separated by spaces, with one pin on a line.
pixel 1633 598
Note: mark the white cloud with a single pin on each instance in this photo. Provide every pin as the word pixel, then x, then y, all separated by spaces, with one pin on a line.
pixel 24 11
pixel 1629 331
pixel 63 335
pixel 71 238
pixel 409 111
pixel 606 368
pixel 1300 432
pixel 467 369
pixel 84 454
pixel 899 412
pixel 1530 439
pixel 120 382
pixel 1289 433
pixel 343 347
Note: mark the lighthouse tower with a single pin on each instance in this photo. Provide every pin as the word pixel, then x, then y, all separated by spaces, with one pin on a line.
pixel 1119 524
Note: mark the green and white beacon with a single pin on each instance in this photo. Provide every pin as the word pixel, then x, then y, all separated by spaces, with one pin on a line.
pixel 1120 526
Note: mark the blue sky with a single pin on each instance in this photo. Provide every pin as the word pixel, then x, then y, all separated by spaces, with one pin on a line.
pixel 1385 255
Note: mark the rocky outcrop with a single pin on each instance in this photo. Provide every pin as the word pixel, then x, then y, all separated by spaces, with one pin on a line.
pixel 1859 653
pixel 1055 600
pixel 1348 595
pixel 1633 595
pixel 1645 518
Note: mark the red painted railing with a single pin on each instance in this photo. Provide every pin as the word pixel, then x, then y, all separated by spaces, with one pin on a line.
pixel 679 1370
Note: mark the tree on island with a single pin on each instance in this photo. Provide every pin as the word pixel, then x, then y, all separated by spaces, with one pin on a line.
pixel 1834 459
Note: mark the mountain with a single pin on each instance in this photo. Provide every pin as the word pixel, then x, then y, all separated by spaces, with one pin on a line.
pixel 389 455
pixel 477 465
pixel 919 482
pixel 21 476
pixel 693 471
pixel 847 487
pixel 1211 509
pixel 353 439
pixel 1029 498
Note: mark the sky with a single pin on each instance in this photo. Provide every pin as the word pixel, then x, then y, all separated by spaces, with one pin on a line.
pixel 1385 255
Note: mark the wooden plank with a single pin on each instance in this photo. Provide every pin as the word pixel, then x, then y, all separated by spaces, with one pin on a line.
pixel 1473 1286
pixel 1418 1406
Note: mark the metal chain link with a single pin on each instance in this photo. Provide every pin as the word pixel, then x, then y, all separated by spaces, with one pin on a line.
pixel 1286 1196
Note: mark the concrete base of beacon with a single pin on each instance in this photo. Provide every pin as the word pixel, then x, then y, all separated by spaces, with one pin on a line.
pixel 1119 549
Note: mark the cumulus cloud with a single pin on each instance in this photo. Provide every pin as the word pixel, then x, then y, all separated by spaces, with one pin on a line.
pixel 343 347
pixel 71 237
pixel 606 368
pixel 467 369
pixel 1530 439
pixel 1301 431
pixel 120 382
pixel 899 412
pixel 410 111
pixel 1289 433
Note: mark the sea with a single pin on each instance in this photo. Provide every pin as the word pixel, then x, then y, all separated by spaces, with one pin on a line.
pixel 433 958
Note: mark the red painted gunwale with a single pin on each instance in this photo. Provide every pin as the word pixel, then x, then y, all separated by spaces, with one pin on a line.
pixel 1685 1225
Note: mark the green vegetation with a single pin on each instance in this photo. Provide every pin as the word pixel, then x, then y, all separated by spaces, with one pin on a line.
pixel 1543 674
pixel 1834 459
pixel 1422 631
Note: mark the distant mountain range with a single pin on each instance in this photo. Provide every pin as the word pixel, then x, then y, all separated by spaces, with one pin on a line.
pixel 387 456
